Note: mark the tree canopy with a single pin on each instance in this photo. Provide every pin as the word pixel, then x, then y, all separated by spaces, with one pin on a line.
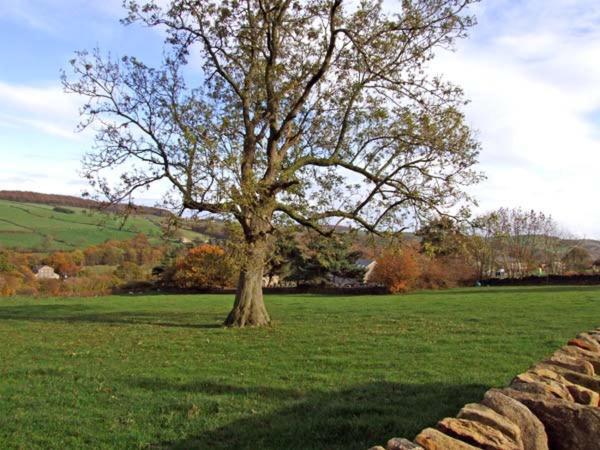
pixel 318 111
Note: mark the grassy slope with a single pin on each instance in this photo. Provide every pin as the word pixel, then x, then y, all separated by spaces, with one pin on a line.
pixel 333 373
pixel 28 226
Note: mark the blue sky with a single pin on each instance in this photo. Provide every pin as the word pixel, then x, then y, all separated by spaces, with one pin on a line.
pixel 531 69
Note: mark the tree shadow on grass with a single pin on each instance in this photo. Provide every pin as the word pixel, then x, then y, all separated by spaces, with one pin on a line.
pixel 355 418
pixel 82 313
pixel 211 388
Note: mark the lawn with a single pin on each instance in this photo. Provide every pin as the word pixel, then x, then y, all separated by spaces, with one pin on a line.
pixel 331 373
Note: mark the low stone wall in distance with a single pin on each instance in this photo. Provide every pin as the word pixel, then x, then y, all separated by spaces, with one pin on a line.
pixel 552 406
pixel 550 280
pixel 147 287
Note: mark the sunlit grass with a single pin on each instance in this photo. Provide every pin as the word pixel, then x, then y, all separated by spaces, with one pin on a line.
pixel 331 373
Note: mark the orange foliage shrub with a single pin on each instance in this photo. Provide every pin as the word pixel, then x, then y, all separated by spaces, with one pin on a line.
pixel 50 288
pixel 99 284
pixel 29 283
pixel 435 275
pixel 405 268
pixel 129 271
pixel 463 271
pixel 10 283
pixel 398 269
pixel 203 266
pixel 65 264
pixel 138 250
pixel 15 276
pixel 446 272
pixel 28 290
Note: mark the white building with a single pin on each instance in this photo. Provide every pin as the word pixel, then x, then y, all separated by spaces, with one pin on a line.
pixel 368 265
pixel 46 273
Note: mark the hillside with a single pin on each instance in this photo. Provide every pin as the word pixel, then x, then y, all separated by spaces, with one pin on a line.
pixel 69 200
pixel 591 245
pixel 42 227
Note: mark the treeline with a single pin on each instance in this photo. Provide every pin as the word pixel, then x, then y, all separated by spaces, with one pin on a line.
pixel 77 202
pixel 504 244
pixel 307 259
pixel 95 270
pixel 443 253
pixel 296 259
pixel 214 228
pixel 516 243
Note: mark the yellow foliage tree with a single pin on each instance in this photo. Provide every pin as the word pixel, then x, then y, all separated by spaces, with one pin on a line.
pixel 204 266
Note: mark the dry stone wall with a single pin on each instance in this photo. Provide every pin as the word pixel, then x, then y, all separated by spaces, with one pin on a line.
pixel 552 406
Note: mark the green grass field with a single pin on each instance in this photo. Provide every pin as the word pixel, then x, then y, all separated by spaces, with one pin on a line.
pixel 28 226
pixel 332 373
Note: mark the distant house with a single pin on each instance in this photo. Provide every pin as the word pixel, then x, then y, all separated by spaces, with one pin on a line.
pixel 46 273
pixel 368 265
pixel 272 281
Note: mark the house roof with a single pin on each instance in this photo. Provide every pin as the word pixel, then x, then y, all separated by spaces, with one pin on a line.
pixel 364 262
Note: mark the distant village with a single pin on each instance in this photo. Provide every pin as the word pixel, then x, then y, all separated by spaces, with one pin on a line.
pixel 441 254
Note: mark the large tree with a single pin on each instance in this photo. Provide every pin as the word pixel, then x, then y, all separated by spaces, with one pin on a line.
pixel 322 111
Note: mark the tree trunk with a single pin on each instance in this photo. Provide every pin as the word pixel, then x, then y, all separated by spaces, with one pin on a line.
pixel 249 308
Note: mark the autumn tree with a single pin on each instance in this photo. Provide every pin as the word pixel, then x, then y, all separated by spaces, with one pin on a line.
pixel 441 236
pixel 203 267
pixel 398 268
pixel 578 259
pixel 6 264
pixel 517 240
pixel 65 264
pixel 130 271
pixel 480 244
pixel 322 111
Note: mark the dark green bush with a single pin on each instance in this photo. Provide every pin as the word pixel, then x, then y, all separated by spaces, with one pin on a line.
pixel 60 209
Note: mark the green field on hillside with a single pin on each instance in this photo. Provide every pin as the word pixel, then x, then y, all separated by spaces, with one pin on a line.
pixel 331 373
pixel 27 226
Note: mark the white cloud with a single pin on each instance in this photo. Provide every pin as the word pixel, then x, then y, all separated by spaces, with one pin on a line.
pixel 57 176
pixel 531 70
pixel 46 109
pixel 39 148
pixel 46 15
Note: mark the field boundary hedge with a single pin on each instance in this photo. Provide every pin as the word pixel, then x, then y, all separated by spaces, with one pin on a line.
pixel 148 287
pixel 545 280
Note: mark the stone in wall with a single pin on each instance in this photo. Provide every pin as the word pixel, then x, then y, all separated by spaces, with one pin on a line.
pixel 580 393
pixel 478 434
pixel 570 363
pixel 589 381
pixel 580 353
pixel 532 430
pixel 432 439
pixel 487 416
pixel 569 426
pixel 401 444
